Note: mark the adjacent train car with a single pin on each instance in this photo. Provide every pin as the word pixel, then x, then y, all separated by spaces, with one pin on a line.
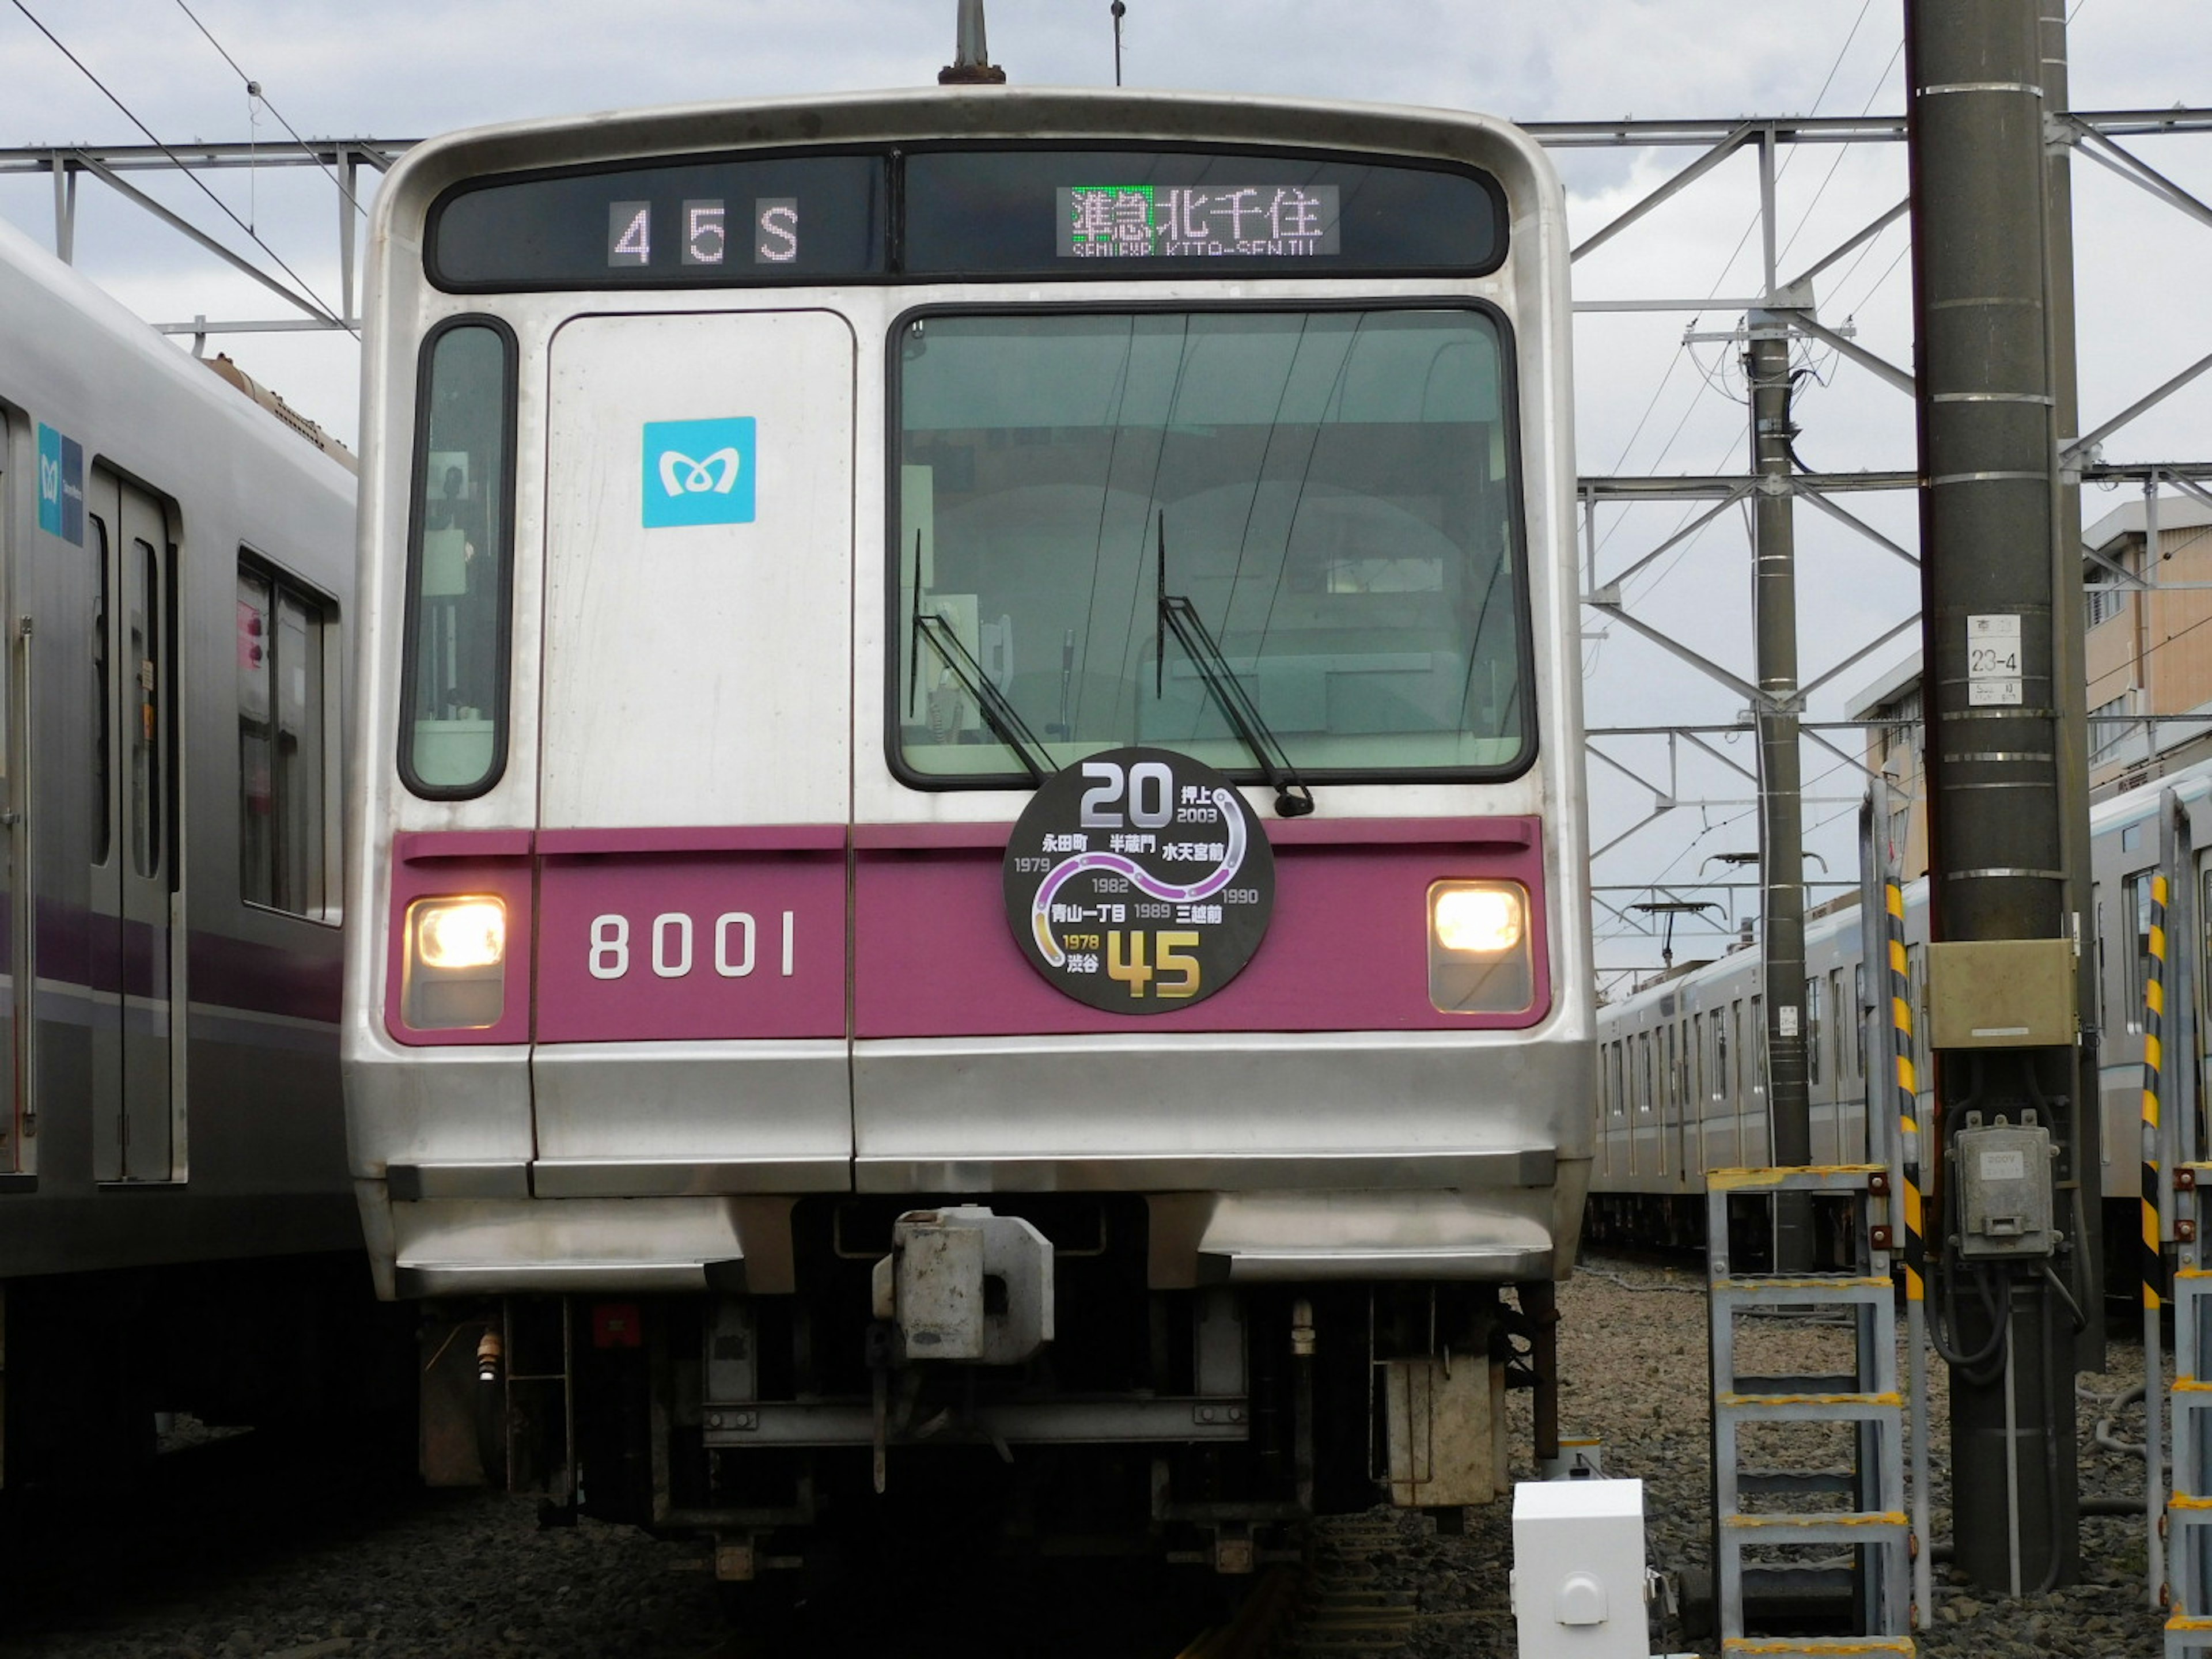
pixel 1681 1067
pixel 970 843
pixel 176 567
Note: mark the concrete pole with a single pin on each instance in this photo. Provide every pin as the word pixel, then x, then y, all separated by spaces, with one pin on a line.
pixel 1997 842
pixel 2081 1162
pixel 1781 811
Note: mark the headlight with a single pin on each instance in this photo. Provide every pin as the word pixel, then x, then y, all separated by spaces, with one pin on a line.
pixel 1478 947
pixel 456 970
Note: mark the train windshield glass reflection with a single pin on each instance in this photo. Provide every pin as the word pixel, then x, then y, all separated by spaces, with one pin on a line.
pixel 1334 492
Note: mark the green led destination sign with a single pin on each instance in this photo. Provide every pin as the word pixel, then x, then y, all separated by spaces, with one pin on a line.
pixel 1121 221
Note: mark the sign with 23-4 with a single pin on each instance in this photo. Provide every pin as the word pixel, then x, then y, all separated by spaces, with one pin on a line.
pixel 1138 881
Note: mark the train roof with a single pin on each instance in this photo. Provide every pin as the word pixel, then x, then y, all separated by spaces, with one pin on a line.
pixel 65 340
pixel 2191 785
pixel 1039 114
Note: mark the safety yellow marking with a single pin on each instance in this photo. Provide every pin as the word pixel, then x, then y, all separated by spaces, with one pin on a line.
pixel 1731 1180
pixel 1811 1399
pixel 1807 1646
pixel 1884 1518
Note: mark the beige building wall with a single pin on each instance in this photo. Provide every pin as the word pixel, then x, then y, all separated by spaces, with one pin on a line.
pixel 2148 652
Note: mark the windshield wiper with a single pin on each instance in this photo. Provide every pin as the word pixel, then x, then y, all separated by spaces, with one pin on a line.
pixel 1000 715
pixel 1176 614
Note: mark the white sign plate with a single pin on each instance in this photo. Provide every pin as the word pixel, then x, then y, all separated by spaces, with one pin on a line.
pixel 1993 665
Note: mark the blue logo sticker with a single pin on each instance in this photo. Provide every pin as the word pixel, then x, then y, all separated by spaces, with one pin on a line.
pixel 61 486
pixel 698 472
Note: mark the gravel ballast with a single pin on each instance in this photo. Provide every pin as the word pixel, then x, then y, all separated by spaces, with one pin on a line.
pixel 247 1551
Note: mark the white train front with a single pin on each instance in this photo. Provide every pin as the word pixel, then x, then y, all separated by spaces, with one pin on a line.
pixel 969 747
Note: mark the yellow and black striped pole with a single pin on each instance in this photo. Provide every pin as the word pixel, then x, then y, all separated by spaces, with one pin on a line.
pixel 1908 1089
pixel 2154 1264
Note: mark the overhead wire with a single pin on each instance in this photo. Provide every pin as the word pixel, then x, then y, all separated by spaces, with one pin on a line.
pixel 1682 348
pixel 328 312
pixel 254 89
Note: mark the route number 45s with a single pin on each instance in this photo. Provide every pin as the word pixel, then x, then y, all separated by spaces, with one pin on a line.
pixel 1125 962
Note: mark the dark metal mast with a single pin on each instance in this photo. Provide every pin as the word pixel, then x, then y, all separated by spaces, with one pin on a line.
pixel 1781 812
pixel 1994 731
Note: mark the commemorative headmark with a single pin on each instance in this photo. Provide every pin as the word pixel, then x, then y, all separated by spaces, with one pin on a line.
pixel 1138 881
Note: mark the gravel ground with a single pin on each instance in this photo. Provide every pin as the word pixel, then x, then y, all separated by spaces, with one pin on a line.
pixel 246 1547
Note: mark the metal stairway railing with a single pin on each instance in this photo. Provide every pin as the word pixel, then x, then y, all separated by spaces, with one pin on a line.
pixel 1873 1578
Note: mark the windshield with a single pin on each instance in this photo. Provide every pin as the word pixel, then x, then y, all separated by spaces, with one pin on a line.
pixel 1330 491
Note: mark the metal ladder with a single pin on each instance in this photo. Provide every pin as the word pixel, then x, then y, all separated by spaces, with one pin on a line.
pixel 2188 1538
pixel 1874 1528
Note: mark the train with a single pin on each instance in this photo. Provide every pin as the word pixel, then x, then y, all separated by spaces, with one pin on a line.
pixel 968 860
pixel 1682 1085
pixel 177 1225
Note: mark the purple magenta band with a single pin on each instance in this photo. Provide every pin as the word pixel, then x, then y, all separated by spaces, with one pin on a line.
pixel 909 837
pixel 1403 832
pixel 718 838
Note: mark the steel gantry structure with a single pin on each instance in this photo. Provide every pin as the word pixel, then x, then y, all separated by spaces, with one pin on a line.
pixel 1681 765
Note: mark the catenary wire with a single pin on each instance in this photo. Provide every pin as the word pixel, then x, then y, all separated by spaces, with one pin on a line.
pixel 320 305
pixel 253 87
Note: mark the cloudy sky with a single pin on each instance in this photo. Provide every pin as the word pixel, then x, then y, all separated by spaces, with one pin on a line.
pixel 1658 393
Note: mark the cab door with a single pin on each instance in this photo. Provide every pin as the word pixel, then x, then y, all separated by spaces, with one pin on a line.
pixel 133 873
pixel 695 773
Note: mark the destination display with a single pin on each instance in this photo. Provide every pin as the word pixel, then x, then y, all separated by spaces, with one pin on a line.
pixel 776 218
pixel 780 219
pixel 1138 882
pixel 1121 222
pixel 1047 212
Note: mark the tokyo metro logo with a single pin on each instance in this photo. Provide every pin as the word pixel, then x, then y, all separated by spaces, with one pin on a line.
pixel 699 472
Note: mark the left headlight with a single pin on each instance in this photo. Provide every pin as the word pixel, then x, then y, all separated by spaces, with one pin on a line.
pixel 1479 947
pixel 456 968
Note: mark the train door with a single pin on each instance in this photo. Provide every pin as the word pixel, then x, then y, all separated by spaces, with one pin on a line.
pixel 14 1153
pixel 694 765
pixel 132 850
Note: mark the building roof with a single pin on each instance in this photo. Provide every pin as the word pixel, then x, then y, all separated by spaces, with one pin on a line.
pixel 1864 703
pixel 2174 513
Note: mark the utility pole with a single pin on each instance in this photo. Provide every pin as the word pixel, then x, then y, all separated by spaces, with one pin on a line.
pixel 1781 811
pixel 1997 876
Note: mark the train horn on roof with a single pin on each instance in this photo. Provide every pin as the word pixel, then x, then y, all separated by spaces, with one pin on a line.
pixel 971 63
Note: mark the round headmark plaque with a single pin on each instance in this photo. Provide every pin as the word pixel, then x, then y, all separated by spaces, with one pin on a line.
pixel 1138 881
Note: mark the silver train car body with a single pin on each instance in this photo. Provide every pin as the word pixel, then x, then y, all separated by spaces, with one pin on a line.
pixel 1681 1070
pixel 761 1006
pixel 176 564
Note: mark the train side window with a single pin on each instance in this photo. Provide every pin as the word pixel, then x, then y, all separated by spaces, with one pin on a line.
pixel 1841 1025
pixel 452 716
pixel 284 743
pixel 2097 909
pixel 1613 1077
pixel 1862 1011
pixel 103 786
pixel 1736 1029
pixel 1643 1062
pixel 2139 922
pixel 1813 1024
pixel 149 674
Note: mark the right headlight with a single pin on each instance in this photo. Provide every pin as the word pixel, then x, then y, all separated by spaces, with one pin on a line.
pixel 1479 950
pixel 456 966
